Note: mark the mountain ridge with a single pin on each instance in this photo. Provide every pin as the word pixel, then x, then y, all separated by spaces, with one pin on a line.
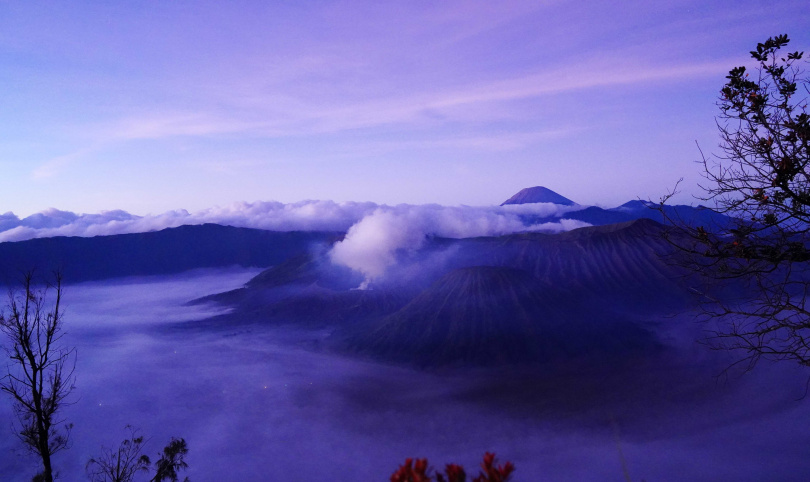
pixel 168 251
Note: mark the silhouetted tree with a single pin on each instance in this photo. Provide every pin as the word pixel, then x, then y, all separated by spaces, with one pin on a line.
pixel 125 462
pixel 39 375
pixel 761 180
pixel 171 461
pixel 121 464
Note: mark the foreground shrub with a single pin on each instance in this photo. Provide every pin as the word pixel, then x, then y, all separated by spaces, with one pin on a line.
pixel 419 471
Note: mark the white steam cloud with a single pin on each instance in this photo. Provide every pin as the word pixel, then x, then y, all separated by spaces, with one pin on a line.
pixel 372 245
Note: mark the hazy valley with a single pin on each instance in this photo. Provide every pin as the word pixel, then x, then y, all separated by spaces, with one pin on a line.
pixel 573 354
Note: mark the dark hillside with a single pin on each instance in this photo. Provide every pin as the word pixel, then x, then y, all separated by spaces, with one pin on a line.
pixel 167 251
pixel 522 298
pixel 621 263
pixel 494 315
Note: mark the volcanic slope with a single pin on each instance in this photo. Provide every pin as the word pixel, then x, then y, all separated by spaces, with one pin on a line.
pixel 309 291
pixel 511 299
pixel 487 315
pixel 623 264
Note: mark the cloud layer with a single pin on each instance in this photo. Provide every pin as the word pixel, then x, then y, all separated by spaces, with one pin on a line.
pixel 376 234
pixel 303 216
pixel 364 218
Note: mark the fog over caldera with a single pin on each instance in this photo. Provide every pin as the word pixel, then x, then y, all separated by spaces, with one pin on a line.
pixel 330 341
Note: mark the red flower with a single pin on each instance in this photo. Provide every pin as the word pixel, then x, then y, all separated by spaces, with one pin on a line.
pixel 412 472
pixel 417 471
pixel 455 473
pixel 493 473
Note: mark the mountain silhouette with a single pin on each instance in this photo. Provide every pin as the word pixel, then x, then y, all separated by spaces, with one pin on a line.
pixel 538 194
pixel 167 251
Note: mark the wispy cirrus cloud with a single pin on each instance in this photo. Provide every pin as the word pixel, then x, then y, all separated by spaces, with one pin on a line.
pixel 290 115
pixel 280 116
pixel 320 96
pixel 55 165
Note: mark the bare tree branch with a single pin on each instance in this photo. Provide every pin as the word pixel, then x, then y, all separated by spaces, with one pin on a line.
pixel 761 181
pixel 39 377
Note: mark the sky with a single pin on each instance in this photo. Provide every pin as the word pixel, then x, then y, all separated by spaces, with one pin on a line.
pixel 149 107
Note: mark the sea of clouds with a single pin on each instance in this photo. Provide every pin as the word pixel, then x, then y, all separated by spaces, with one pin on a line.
pixel 376 233
pixel 450 221
pixel 254 403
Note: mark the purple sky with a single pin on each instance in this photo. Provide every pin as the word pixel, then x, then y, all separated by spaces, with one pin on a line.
pixel 113 105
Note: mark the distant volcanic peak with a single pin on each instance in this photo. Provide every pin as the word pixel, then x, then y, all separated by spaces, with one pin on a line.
pixel 636 205
pixel 538 194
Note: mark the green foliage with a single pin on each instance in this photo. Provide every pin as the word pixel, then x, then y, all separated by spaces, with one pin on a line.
pixel 761 179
